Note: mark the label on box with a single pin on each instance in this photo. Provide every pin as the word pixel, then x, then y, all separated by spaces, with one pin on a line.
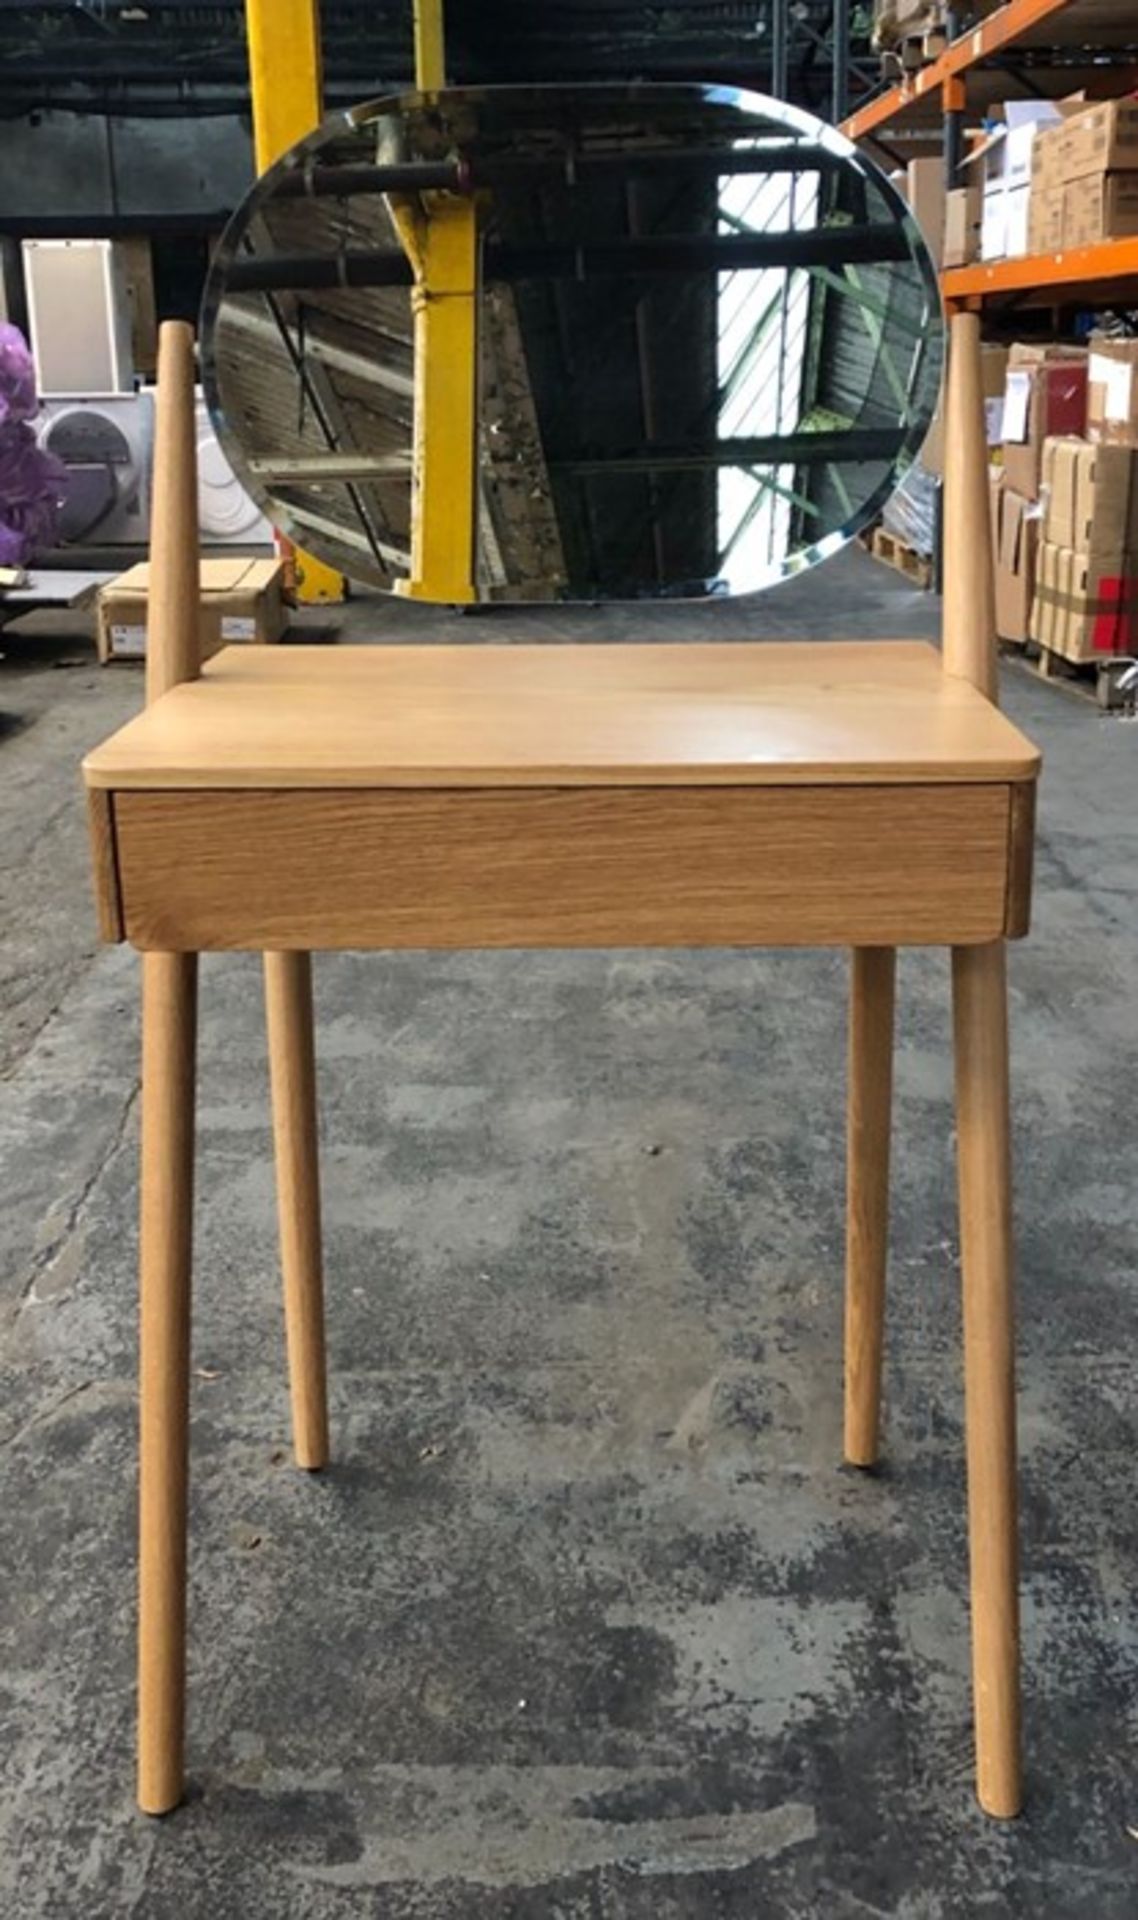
pixel 1116 379
pixel 238 626
pixel 994 419
pixel 1017 400
pixel 130 642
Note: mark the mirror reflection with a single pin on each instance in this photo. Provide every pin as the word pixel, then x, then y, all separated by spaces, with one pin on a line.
pixel 534 343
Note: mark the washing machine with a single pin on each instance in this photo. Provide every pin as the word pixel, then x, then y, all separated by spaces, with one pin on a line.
pixel 106 442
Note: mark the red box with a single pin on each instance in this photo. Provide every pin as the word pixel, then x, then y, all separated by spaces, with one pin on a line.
pixel 1045 394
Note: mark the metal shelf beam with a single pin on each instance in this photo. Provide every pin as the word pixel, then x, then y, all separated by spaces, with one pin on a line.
pixel 1004 29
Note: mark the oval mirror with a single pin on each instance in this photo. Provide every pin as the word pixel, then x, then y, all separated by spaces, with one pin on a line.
pixel 548 342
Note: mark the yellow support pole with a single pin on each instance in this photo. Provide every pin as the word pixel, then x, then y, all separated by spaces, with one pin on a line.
pixel 286 81
pixel 439 232
pixel 430 46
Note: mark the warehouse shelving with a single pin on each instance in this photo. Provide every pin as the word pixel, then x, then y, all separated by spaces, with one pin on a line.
pixel 1098 275
pixel 928 110
pixel 1044 28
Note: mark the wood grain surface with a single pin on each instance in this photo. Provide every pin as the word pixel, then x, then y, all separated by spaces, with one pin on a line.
pixel 868 866
pixel 806 713
pixel 1021 858
pixel 101 829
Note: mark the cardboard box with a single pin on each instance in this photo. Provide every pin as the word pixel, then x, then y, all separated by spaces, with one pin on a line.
pixel 1045 394
pixel 1104 206
pixel 1059 488
pixel 963 217
pixel 1101 139
pixel 1015 564
pixel 1049 157
pixel 1005 223
pixel 1099 607
pixel 241 601
pixel 926 196
pixel 1017 222
pixel 993 373
pixel 1004 163
pixel 1104 513
pixel 1112 397
pixel 1085 608
pixel 994 223
pixel 1045 620
pixel 1045 219
pixel 1090 495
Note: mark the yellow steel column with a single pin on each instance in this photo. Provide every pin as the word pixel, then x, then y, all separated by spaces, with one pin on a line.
pixel 286 82
pixel 439 232
pixel 430 46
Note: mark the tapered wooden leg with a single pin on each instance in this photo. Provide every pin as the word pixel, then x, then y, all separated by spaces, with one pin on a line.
pixel 169 1019
pixel 984 1150
pixel 292 1066
pixel 869 1099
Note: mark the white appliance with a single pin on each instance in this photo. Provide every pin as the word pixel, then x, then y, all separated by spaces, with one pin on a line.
pixel 227 515
pixel 79 317
pixel 107 444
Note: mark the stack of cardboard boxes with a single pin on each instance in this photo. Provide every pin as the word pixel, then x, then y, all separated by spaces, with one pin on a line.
pixel 1085 604
pixel 1053 174
pixel 1045 395
pixel 1084 179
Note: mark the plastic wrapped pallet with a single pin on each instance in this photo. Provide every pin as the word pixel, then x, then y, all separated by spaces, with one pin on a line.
pixel 911 513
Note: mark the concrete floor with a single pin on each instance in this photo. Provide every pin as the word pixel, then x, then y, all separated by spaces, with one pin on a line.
pixel 586 1621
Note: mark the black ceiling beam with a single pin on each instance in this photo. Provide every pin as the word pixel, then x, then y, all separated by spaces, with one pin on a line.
pixel 766 450
pixel 462 176
pixel 679 253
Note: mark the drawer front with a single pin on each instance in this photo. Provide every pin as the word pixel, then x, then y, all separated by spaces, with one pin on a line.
pixel 565 867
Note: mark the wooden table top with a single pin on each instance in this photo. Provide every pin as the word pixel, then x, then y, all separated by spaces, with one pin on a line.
pixel 801 713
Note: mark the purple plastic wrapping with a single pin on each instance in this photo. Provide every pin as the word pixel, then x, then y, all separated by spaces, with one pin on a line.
pixel 32 482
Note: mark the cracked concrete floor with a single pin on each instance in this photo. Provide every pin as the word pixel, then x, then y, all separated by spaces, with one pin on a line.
pixel 586 1620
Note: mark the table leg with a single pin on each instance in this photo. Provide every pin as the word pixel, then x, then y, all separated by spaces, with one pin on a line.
pixel 869 1113
pixel 984 1152
pixel 169 1020
pixel 292 1067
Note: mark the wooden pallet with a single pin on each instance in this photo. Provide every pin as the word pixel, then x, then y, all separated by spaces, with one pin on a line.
pixel 1086 677
pixel 915 566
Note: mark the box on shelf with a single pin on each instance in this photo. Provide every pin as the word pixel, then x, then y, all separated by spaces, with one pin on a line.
pixel 890 16
pixel 1103 206
pixel 1015 563
pixel 926 196
pixel 1049 158
pixel 1045 219
pixel 963 215
pixel 1112 396
pixel 1017 222
pixel 1045 394
pixel 1085 608
pixel 241 601
pixel 1102 138
pixel 1005 162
